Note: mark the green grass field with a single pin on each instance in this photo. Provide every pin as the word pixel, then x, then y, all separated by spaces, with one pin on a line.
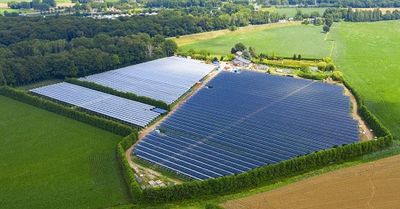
pixel 2 10
pixel 369 56
pixel 49 161
pixel 309 41
pixel 291 12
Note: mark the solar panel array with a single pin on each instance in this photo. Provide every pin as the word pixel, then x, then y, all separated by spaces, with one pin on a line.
pixel 122 109
pixel 164 79
pixel 243 121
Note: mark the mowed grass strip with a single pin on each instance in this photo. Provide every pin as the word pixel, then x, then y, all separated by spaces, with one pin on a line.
pixel 369 56
pixel 50 161
pixel 281 40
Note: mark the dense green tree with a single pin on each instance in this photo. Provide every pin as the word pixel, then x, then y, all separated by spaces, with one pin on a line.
pixel 2 78
pixel 329 21
pixel 330 67
pixel 35 60
pixel 326 28
pixel 170 47
pixel 253 52
pixel 166 23
pixel 240 47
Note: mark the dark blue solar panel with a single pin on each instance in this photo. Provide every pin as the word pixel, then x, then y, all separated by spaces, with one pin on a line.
pixel 243 121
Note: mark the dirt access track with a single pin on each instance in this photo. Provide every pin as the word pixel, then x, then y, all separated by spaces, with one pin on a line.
pixel 371 185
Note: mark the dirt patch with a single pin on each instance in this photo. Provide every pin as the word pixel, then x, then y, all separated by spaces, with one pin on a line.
pixel 383 10
pixel 370 185
pixel 365 132
pixel 65 4
pixel 3 5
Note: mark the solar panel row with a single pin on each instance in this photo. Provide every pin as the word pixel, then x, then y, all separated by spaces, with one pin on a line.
pixel 243 121
pixel 122 109
pixel 163 79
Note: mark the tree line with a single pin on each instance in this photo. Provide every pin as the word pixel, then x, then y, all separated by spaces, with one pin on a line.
pixel 320 3
pixel 34 49
pixel 357 15
pixel 168 23
pixel 334 3
pixel 183 3
pixel 41 5
pixel 35 60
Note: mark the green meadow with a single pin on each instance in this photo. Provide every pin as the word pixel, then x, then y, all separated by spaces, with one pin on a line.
pixel 309 41
pixel 369 56
pixel 291 12
pixel 49 161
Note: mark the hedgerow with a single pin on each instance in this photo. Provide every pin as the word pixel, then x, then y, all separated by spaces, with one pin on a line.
pixel 373 122
pixel 312 75
pixel 51 106
pixel 114 92
pixel 134 189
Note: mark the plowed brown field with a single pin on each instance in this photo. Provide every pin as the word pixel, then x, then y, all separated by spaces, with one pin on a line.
pixel 371 185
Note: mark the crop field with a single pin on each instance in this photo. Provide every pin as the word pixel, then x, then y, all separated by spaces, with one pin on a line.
pixel 370 185
pixel 49 161
pixel 291 12
pixel 368 55
pixel 309 41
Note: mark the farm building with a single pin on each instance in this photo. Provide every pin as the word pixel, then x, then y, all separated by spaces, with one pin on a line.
pixel 241 62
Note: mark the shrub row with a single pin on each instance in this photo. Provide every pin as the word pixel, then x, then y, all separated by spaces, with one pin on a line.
pixel 277 65
pixel 372 121
pixel 271 173
pixel 303 58
pixel 134 189
pixel 51 106
pixel 311 75
pixel 108 90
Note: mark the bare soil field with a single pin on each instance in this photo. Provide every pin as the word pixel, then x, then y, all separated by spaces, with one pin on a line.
pixel 65 4
pixel 3 5
pixel 371 185
pixel 382 9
